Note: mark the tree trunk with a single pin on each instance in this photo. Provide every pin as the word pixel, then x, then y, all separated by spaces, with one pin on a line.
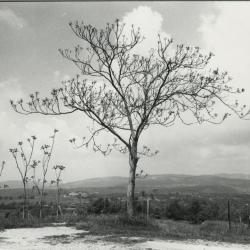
pixel 131 180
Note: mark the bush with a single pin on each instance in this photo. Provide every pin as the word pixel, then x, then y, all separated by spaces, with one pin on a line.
pixel 97 206
pixel 175 211
pixel 105 206
pixel 195 211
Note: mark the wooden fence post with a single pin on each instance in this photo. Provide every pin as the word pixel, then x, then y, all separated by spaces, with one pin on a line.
pixel 229 215
pixel 148 204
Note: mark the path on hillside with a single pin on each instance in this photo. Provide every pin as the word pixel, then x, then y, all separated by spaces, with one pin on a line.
pixel 68 238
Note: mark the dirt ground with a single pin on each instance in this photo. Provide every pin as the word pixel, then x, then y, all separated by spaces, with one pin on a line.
pixel 68 238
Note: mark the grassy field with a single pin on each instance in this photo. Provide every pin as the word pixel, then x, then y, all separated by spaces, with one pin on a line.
pixel 119 226
pixel 103 215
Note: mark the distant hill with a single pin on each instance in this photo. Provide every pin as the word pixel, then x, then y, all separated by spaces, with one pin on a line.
pixel 14 184
pixel 235 176
pixel 97 182
pixel 11 184
pixel 168 182
pixel 222 183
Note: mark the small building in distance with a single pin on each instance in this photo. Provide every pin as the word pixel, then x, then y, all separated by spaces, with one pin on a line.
pixel 77 194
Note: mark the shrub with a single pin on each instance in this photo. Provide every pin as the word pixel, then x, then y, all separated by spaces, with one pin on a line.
pixel 175 211
pixel 195 211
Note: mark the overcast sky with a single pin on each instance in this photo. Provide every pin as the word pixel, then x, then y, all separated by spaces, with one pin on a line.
pixel 32 33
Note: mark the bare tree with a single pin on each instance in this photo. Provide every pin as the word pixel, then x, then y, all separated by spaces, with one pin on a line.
pixel 40 183
pixel 124 93
pixel 58 172
pixel 23 160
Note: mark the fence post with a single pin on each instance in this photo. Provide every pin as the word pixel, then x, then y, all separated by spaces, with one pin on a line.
pixel 248 216
pixel 229 215
pixel 148 201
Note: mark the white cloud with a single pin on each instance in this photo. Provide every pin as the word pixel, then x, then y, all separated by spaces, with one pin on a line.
pixel 45 127
pixel 15 127
pixel 227 35
pixel 150 24
pixel 10 89
pixel 9 16
pixel 58 76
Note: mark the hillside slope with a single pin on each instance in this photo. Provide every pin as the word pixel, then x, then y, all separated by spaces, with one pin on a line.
pixel 162 183
pixel 203 183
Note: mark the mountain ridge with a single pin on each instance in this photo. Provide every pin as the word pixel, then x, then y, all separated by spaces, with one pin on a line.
pixel 203 183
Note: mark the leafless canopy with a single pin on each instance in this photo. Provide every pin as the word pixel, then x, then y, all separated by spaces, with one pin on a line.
pixel 39 183
pixel 23 159
pixel 122 91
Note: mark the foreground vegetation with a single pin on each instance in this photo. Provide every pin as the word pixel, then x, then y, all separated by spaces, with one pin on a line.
pixel 165 229
pixel 180 207
pixel 171 215
pixel 116 226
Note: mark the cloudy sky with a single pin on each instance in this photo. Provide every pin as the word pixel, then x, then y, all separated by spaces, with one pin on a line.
pixel 32 33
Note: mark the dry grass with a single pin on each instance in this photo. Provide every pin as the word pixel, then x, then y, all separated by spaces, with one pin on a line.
pixel 120 225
